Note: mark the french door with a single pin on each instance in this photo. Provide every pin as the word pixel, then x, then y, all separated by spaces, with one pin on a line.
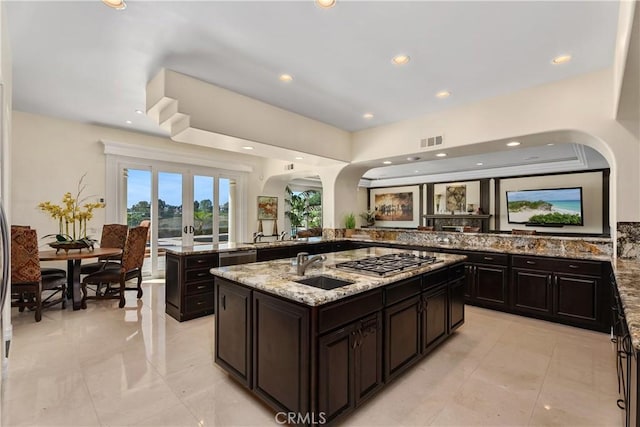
pixel 184 206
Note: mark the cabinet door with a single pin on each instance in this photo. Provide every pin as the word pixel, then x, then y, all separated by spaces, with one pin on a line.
pixel 173 283
pixel 491 284
pixel 281 353
pixel 468 283
pixel 335 379
pixel 576 297
pixel 402 335
pixel 456 304
pixel 232 324
pixel 367 357
pixel 435 318
pixel 531 291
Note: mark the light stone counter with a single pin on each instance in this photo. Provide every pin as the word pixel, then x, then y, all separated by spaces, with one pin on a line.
pixel 277 277
pixel 237 246
pixel 627 274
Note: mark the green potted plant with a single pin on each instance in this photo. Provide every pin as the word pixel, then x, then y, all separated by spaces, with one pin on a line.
pixel 349 224
pixel 369 217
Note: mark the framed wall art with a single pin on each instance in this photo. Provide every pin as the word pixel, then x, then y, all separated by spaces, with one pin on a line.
pixel 456 198
pixel 267 207
pixel 396 206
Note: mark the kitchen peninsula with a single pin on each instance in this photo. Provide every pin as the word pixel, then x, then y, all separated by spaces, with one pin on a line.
pixel 320 353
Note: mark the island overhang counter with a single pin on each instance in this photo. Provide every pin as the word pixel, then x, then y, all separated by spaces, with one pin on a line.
pixel 315 355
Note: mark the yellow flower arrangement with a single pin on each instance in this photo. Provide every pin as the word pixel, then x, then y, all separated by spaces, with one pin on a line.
pixel 73 214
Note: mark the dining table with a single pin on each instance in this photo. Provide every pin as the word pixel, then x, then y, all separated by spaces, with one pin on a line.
pixel 74 259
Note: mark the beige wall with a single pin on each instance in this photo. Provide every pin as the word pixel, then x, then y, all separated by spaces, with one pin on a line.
pixel 579 108
pixel 50 155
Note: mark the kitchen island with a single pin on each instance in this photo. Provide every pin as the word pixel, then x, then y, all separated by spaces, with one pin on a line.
pixel 315 355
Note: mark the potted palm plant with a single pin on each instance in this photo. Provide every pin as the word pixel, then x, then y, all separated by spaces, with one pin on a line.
pixel 349 224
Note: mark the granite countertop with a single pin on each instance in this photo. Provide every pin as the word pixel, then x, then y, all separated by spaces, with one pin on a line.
pixel 277 277
pixel 237 246
pixel 627 273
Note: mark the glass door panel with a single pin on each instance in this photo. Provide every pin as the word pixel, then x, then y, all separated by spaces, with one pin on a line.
pixel 138 193
pixel 169 207
pixel 203 212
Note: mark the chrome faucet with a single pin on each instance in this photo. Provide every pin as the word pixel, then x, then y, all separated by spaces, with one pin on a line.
pixel 282 234
pixel 303 261
pixel 257 236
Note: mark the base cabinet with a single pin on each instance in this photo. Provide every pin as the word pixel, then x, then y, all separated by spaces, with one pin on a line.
pixel 531 291
pixel 350 366
pixel 326 361
pixel 189 285
pixel 232 330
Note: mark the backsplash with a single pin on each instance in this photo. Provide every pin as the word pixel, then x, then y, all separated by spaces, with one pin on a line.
pixel 629 240
pixel 569 247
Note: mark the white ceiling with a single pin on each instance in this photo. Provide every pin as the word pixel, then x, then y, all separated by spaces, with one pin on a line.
pixel 85 62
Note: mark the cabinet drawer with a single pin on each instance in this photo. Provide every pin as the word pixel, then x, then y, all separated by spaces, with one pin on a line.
pixel 198 274
pixel 199 302
pixel 198 288
pixel 402 290
pixel 436 278
pixel 589 268
pixel 344 312
pixel 488 258
pixel 456 272
pixel 209 261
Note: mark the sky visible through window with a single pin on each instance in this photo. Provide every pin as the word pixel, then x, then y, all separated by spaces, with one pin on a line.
pixel 139 188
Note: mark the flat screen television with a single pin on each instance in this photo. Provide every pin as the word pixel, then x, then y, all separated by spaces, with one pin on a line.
pixel 545 207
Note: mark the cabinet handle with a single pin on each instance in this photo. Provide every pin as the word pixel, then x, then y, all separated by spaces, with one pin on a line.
pixel 224 302
pixel 620 404
pixel 200 302
pixel 574 266
pixel 201 261
pixel 202 274
pixel 488 258
pixel 201 287
pixel 531 262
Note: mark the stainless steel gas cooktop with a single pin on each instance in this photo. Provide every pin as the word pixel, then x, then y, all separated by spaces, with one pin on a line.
pixel 387 265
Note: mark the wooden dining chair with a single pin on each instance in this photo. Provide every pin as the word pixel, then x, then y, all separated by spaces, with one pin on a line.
pixel 115 276
pixel 28 285
pixel 45 271
pixel 523 232
pixel 113 236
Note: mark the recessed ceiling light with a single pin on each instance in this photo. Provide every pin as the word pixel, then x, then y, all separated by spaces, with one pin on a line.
pixel 299 158
pixel 247 147
pixel 401 59
pixel 443 94
pixel 128 122
pixel 441 155
pixel 139 112
pixel 387 162
pixel 513 143
pixel 416 171
pixel 115 4
pixel 532 158
pixel 561 59
pixel 325 4
pixel 367 116
pixel 479 164
pixel 413 159
pixel 551 144
pixel 285 78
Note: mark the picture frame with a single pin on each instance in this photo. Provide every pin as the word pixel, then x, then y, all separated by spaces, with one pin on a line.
pixel 456 198
pixel 267 208
pixel 397 207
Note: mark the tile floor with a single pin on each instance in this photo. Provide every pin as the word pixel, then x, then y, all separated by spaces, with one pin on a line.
pixel 136 366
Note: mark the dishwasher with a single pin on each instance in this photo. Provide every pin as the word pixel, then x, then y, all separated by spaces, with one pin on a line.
pixel 236 257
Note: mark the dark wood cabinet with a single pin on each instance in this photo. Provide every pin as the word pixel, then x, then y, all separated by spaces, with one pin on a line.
pixel 349 366
pixel 189 285
pixel 561 290
pixel 435 317
pixel 456 303
pixel 281 353
pixel 232 329
pixel 531 291
pixel 279 252
pixel 487 279
pixel 402 335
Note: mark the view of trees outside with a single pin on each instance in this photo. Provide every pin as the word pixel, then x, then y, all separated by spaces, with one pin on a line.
pixel 170 211
pixel 303 209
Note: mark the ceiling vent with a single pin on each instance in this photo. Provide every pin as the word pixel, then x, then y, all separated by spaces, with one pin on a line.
pixel 288 167
pixel 432 141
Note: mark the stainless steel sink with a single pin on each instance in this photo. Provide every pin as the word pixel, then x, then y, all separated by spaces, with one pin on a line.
pixel 324 282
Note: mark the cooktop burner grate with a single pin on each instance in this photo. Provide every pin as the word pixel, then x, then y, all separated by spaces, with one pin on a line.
pixel 387 265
